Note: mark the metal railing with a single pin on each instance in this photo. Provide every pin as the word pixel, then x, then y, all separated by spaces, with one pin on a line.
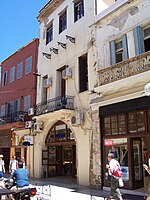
pixel 13 117
pixel 54 104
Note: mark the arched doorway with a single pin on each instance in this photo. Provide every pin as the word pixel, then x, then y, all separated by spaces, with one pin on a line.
pixel 61 151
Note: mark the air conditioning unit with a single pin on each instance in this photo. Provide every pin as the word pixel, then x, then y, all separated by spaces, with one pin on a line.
pixel 38 126
pixel 31 111
pixel 28 124
pixel 77 118
pixel 48 82
pixel 67 73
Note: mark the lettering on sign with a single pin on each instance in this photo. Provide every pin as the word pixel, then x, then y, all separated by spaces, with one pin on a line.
pixel 108 142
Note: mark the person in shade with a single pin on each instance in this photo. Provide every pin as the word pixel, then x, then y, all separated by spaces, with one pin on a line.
pixel 2 166
pixel 13 164
pixel 21 176
pixel 112 167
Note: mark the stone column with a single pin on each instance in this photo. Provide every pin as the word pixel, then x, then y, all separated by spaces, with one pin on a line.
pixel 95 153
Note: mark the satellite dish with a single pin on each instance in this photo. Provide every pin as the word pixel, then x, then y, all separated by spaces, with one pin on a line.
pixel 147 89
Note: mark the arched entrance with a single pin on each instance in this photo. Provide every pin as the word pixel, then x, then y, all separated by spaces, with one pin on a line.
pixel 61 152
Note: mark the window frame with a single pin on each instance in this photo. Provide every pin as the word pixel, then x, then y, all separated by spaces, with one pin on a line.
pixel 27 102
pixel 83 73
pixel 28 65
pixel 49 33
pixel 4 78
pixel 63 21
pixel 19 70
pixel 12 74
pixel 78 10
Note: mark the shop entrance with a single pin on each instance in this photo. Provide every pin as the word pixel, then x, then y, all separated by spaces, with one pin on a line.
pixel 136 163
pixel 62 161
pixel 60 156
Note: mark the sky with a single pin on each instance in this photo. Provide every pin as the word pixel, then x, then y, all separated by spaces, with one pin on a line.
pixel 18 24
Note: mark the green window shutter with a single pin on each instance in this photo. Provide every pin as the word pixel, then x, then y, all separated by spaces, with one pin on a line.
pixel 138 40
pixel 125 47
pixel 113 52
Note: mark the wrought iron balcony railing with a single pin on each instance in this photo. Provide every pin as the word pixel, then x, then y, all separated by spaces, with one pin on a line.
pixel 127 68
pixel 54 104
pixel 13 117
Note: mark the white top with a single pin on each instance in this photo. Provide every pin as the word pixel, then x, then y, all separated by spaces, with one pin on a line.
pixel 114 165
pixel 1 165
pixel 13 164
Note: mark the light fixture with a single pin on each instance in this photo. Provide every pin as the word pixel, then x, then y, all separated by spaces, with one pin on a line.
pixel 36 74
pixel 71 39
pixel 47 55
pixel 63 45
pixel 54 50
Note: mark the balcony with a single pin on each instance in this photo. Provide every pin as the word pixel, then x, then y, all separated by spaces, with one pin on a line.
pixel 19 116
pixel 55 104
pixel 125 69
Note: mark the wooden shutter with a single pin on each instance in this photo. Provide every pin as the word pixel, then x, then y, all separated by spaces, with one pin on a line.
pixel 138 40
pixel 125 47
pixel 113 52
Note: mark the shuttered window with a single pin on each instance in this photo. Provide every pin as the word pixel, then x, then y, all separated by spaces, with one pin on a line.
pixel 119 50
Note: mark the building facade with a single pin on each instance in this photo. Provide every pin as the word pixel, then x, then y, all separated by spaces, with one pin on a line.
pixel 17 95
pixel 63 142
pixel 119 102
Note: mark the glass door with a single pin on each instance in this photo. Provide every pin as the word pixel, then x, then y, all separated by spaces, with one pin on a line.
pixel 136 163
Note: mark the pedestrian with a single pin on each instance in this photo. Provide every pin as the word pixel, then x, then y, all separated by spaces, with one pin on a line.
pixel 13 164
pixel 23 161
pixel 2 166
pixel 147 168
pixel 114 171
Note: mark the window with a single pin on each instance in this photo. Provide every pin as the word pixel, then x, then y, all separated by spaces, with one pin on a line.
pixel 28 65
pixel 136 122
pixel 27 103
pixel 19 70
pixel 63 21
pixel 141 39
pixel 2 111
pixel 147 39
pixel 12 74
pixel 49 34
pixel 114 125
pixel 83 73
pixel 119 50
pixel 78 10
pixel 4 78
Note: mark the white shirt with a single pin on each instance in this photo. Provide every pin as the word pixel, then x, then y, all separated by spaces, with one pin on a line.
pixel 13 164
pixel 114 165
pixel 1 165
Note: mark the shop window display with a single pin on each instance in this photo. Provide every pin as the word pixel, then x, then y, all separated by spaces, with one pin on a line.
pixel 120 150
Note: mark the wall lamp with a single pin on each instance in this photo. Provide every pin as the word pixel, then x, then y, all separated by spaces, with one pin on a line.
pixel 72 39
pixel 36 74
pixel 47 55
pixel 63 45
pixel 54 50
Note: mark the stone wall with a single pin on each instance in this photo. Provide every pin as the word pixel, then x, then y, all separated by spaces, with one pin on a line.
pixel 95 153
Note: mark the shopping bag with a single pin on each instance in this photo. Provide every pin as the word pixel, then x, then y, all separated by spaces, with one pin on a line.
pixel 121 183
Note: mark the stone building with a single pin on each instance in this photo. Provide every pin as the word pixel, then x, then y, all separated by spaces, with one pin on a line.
pixel 119 103
pixel 63 123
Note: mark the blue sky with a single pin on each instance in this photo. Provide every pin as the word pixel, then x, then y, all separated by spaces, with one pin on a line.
pixel 18 24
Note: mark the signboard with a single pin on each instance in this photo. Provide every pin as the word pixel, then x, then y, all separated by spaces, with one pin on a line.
pixel 28 138
pixel 108 143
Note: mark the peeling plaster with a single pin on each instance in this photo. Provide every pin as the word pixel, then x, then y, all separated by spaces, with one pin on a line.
pixel 120 20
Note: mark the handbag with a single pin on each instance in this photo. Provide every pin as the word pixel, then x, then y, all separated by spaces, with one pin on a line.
pixel 117 173
pixel 121 183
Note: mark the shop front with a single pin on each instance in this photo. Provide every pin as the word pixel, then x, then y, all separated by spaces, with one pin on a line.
pixel 125 129
pixel 60 156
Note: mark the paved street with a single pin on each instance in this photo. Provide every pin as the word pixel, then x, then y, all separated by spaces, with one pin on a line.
pixel 66 189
